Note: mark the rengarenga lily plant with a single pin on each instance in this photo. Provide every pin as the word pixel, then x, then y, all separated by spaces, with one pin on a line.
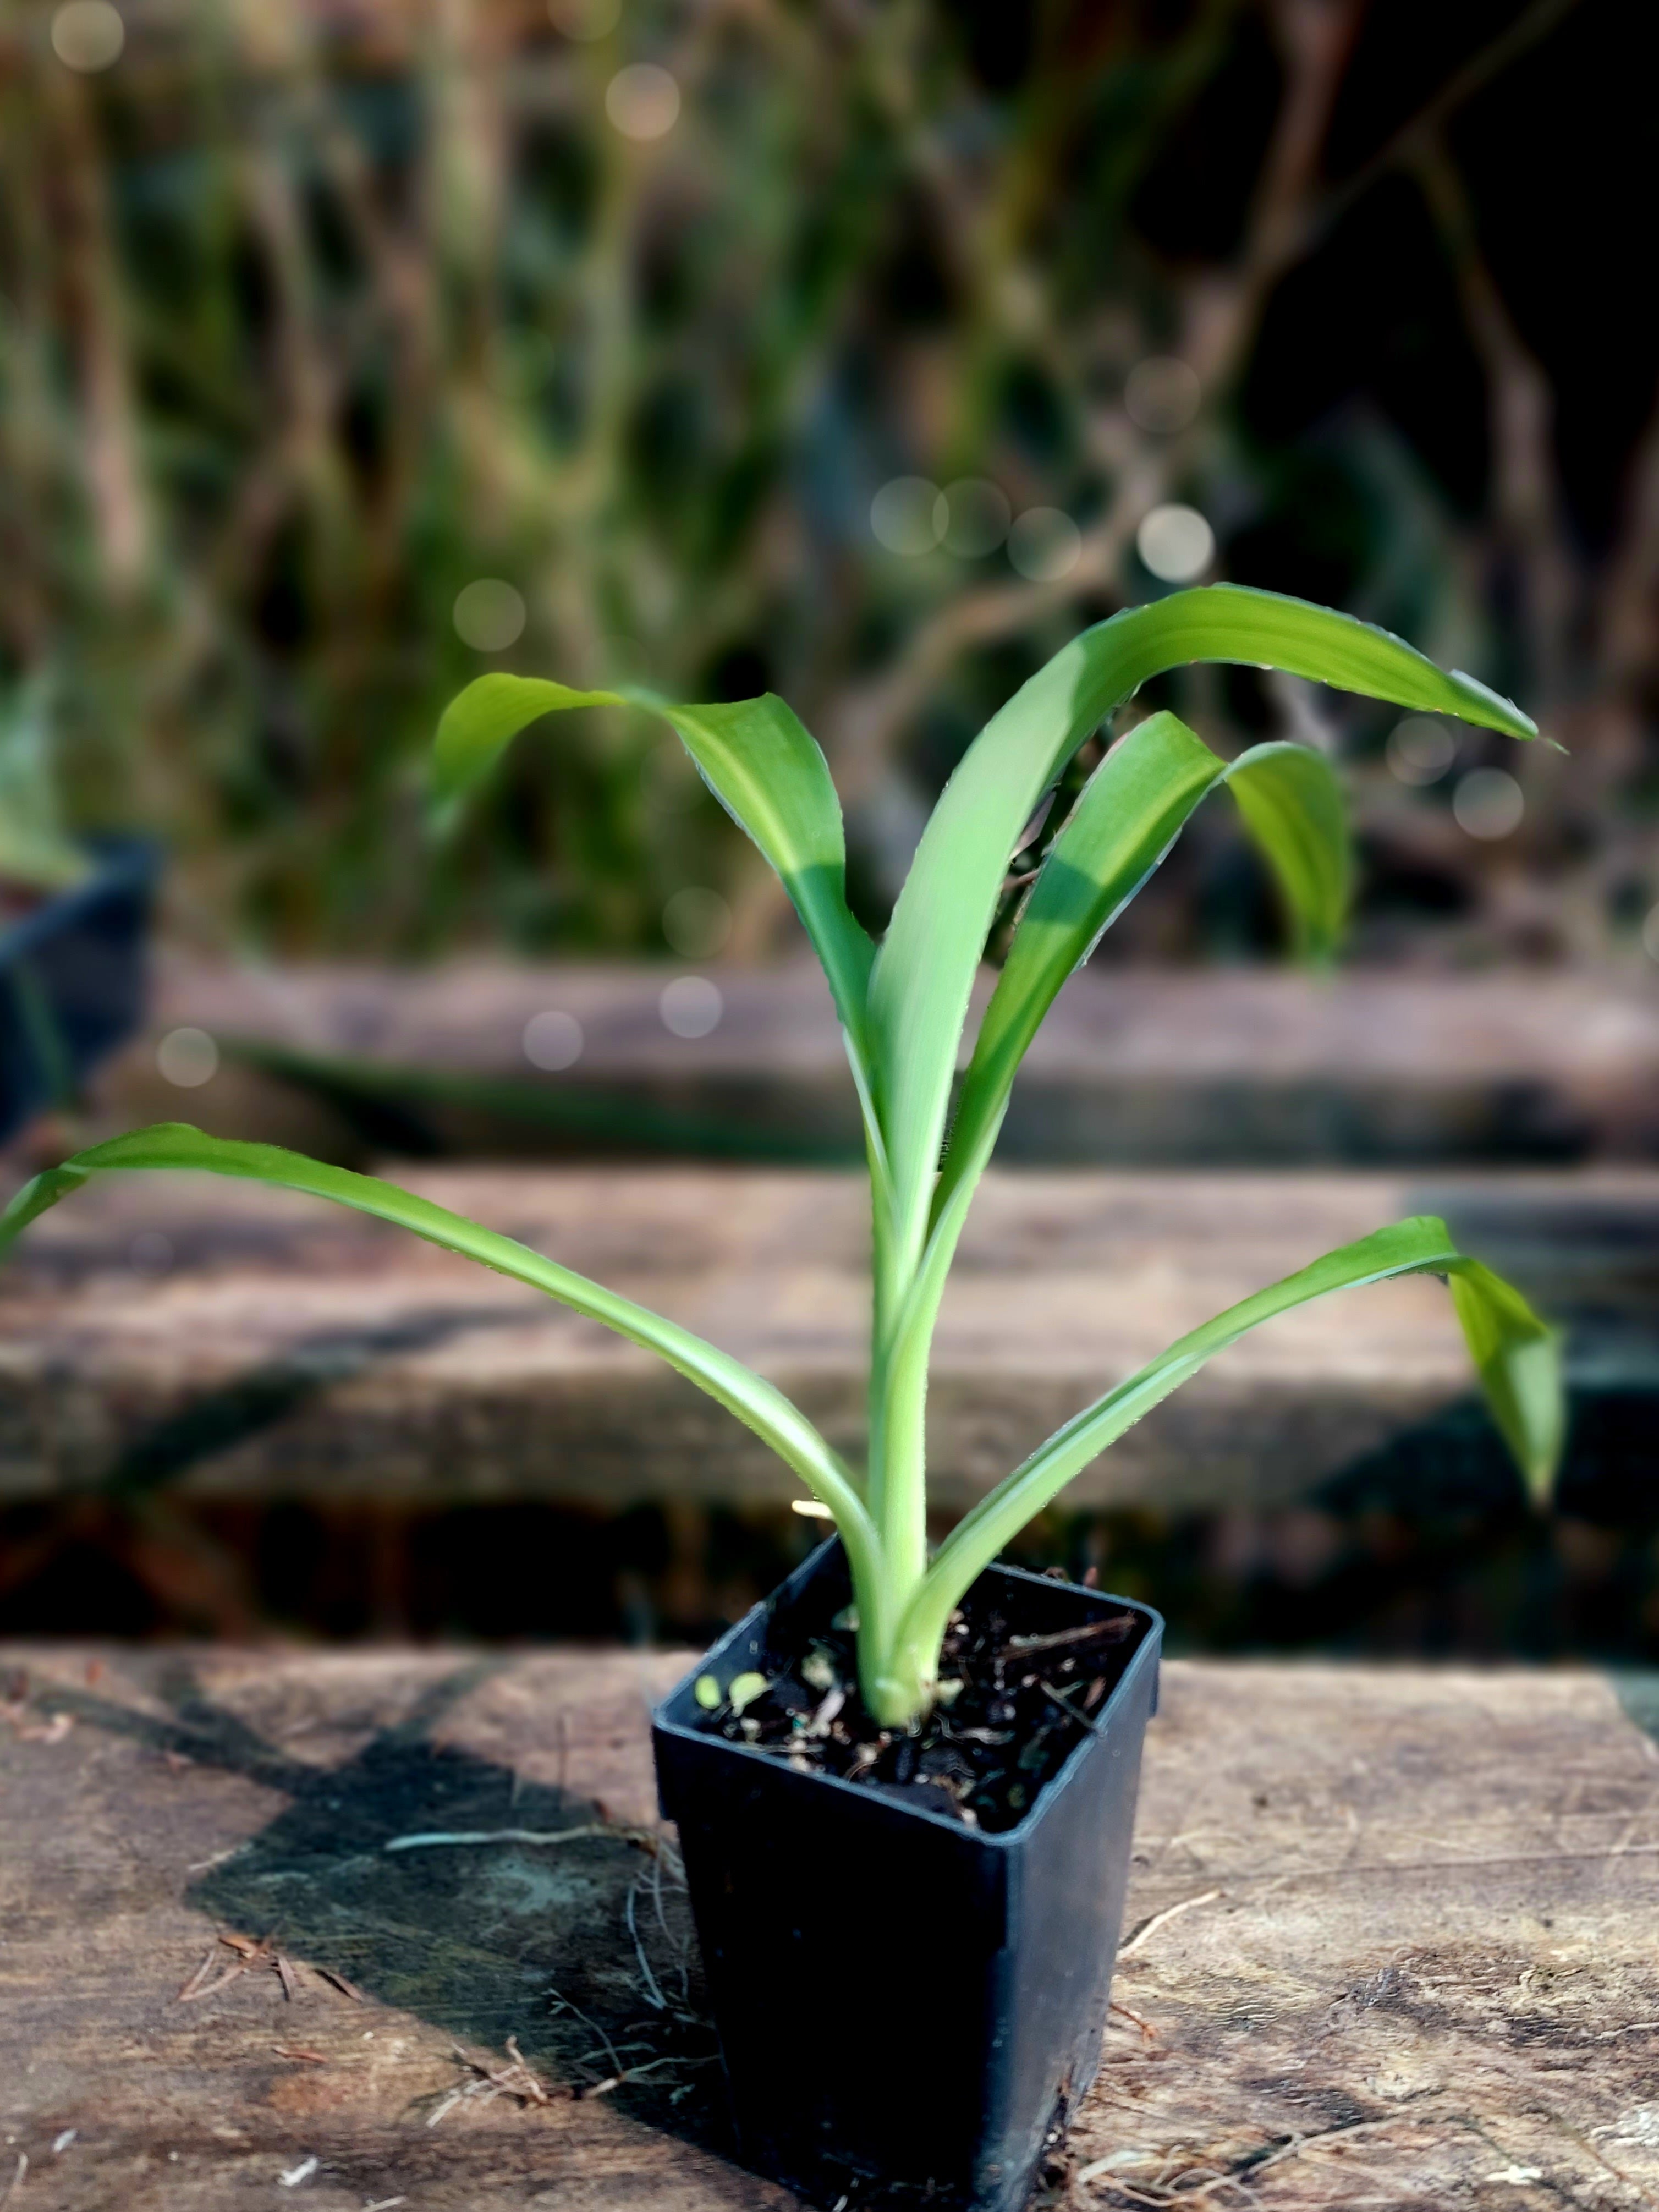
pixel 903 1006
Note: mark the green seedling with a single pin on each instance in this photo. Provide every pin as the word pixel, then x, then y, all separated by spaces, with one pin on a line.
pixel 904 1006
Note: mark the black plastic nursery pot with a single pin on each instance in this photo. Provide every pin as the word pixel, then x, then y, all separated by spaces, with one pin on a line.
pixel 72 982
pixel 902 2000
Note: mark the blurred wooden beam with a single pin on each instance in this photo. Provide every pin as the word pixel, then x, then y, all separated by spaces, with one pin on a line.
pixel 1251 1066
pixel 221 1341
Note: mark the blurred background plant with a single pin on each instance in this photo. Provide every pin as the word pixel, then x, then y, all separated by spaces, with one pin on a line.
pixel 858 350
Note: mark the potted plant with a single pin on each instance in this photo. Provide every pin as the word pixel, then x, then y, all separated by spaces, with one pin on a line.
pixel 73 922
pixel 905 1784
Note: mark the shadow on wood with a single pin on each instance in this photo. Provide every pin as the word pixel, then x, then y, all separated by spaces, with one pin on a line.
pixel 582 1954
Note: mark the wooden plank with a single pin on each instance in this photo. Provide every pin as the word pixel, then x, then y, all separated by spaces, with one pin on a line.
pixel 241 1343
pixel 1390 1941
pixel 1243 1065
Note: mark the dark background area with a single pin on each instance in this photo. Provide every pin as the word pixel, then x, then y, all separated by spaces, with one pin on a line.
pixel 313 318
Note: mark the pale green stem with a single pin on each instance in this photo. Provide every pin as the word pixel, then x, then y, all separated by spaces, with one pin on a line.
pixel 900 1676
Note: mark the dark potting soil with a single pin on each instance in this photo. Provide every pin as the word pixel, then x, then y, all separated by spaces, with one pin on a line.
pixel 1015 1702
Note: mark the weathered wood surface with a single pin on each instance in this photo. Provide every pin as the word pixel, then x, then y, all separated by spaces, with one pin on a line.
pixel 1243 1067
pixel 241 1343
pixel 1390 1942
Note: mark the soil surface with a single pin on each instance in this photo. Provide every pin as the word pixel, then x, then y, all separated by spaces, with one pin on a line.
pixel 1018 1693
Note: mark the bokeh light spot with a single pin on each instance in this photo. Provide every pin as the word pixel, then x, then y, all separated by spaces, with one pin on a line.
pixel 187 1057
pixel 977 517
pixel 643 101
pixel 489 615
pixel 1161 394
pixel 690 1006
pixel 553 1040
pixel 1420 750
pixel 87 35
pixel 1488 802
pixel 697 922
pixel 908 516
pixel 1045 544
pixel 1176 542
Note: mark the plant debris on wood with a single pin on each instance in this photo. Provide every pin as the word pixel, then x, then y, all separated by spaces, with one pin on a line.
pixel 248 1957
pixel 1015 1699
pixel 518 2080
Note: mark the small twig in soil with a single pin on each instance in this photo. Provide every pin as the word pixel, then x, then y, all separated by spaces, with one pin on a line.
pixel 563 2004
pixel 643 1839
pixel 653 1996
pixel 1114 1625
pixel 1082 1720
pixel 517 2079
pixel 634 2073
pixel 17 2182
pixel 1297 2144
pixel 192 1988
pixel 230 1852
pixel 247 1956
pixel 1161 1919
pixel 295 2050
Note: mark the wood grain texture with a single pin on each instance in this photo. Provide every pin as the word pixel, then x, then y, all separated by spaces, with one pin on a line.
pixel 236 1342
pixel 1389 1941
pixel 1245 1066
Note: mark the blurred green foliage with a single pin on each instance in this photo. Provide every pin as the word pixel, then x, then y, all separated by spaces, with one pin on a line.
pixel 315 319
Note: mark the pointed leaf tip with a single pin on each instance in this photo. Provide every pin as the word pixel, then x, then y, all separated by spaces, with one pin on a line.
pixel 1518 1358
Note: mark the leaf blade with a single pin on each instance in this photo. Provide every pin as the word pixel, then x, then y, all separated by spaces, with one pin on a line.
pixel 755 755
pixel 1125 821
pixel 176 1146
pixel 923 976
pixel 1516 1355
pixel 1520 1372
pixel 1292 804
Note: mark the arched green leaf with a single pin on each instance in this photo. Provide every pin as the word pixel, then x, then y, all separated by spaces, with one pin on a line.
pixel 1125 820
pixel 1291 802
pixel 924 973
pixel 755 1402
pixel 1516 1355
pixel 758 758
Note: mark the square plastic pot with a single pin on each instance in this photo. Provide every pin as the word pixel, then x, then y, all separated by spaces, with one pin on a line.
pixel 72 982
pixel 900 1998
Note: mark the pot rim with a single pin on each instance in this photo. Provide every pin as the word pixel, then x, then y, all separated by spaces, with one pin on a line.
pixel 1146 1653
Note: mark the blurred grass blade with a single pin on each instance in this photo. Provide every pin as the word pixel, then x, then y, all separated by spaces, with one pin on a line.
pixel 924 975
pixel 1128 815
pixel 755 1401
pixel 758 758
pixel 1516 1355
